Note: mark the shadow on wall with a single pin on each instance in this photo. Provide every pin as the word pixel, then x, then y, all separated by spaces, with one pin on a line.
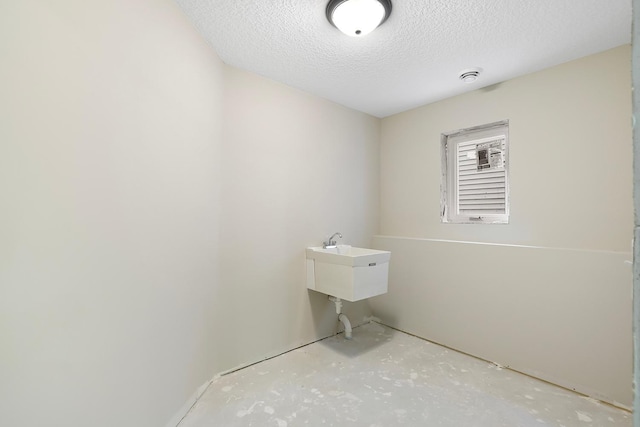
pixel 325 318
pixel 323 313
pixel 491 88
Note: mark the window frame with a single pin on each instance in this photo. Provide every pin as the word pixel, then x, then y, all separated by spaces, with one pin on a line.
pixel 449 202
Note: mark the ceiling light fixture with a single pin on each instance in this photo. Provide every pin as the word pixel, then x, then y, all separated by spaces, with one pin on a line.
pixel 357 18
pixel 470 75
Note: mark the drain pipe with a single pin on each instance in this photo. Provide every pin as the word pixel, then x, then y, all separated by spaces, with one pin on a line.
pixel 347 325
pixel 342 317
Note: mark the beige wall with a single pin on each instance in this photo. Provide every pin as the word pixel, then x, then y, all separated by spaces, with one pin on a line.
pixel 636 198
pixel 295 170
pixel 570 174
pixel 110 135
pixel 155 209
pixel 570 134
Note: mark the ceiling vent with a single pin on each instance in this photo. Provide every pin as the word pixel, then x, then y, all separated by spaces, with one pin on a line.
pixel 470 75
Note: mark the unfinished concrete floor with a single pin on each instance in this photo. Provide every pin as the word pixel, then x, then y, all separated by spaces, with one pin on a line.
pixel 383 377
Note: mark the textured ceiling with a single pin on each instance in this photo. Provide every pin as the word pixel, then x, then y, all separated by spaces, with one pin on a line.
pixel 415 57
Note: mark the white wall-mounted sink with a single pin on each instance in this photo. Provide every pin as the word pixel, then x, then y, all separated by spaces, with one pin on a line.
pixel 348 272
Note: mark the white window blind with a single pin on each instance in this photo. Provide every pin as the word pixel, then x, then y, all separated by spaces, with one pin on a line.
pixel 475 175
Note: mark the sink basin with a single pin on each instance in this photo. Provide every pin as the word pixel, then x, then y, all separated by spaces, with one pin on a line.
pixel 348 255
pixel 348 272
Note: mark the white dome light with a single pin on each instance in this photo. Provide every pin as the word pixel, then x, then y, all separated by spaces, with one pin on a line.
pixel 357 18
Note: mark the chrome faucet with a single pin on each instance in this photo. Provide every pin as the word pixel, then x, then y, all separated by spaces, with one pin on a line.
pixel 329 244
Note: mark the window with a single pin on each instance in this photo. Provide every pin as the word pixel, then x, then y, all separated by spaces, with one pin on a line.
pixel 475 172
